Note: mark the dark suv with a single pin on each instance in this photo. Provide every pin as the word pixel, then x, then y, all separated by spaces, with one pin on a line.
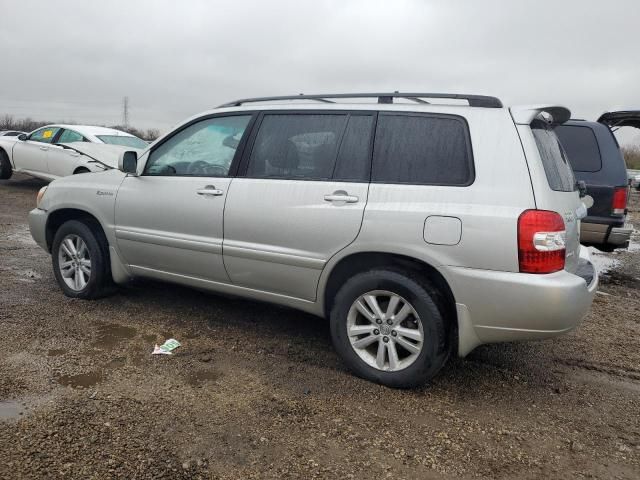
pixel 597 160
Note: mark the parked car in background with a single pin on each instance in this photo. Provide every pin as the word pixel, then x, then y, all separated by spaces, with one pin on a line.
pixel 10 133
pixel 634 179
pixel 43 152
pixel 420 230
pixel 597 160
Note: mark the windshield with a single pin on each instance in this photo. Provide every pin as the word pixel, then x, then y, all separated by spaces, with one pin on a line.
pixel 124 140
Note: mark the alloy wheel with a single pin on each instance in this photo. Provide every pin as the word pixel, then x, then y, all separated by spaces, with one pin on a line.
pixel 385 330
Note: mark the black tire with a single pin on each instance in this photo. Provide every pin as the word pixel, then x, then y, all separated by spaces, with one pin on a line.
pixel 100 282
pixel 81 170
pixel 5 166
pixel 424 299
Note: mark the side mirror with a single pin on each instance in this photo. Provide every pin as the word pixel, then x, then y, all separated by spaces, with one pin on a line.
pixel 128 162
pixel 582 187
pixel 23 136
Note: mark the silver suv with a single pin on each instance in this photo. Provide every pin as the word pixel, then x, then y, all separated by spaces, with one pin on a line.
pixel 422 225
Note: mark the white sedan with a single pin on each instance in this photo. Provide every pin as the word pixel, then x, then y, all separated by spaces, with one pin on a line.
pixel 56 151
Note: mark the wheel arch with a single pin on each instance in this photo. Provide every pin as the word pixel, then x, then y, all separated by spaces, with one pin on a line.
pixel 364 261
pixel 57 218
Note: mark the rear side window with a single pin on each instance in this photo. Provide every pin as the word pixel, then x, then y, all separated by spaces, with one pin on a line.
pixel 69 136
pixel 294 146
pixel 418 149
pixel 581 146
pixel 556 166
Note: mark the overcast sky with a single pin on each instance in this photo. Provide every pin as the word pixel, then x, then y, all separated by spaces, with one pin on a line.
pixel 76 60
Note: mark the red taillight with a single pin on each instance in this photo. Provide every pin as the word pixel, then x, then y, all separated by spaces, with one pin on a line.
pixel 619 203
pixel 541 241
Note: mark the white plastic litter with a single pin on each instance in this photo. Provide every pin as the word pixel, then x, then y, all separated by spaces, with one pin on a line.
pixel 166 348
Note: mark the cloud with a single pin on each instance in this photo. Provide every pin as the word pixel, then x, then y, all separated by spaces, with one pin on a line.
pixel 74 60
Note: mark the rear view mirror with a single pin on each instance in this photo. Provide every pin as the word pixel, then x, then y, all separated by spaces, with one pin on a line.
pixel 22 136
pixel 128 162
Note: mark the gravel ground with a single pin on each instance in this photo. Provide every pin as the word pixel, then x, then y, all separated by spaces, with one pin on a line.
pixel 257 391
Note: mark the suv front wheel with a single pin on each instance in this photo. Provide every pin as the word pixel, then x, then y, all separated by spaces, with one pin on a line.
pixel 81 260
pixel 388 328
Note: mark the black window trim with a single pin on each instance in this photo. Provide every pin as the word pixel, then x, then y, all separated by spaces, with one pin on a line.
pixel 244 164
pixel 471 159
pixel 235 163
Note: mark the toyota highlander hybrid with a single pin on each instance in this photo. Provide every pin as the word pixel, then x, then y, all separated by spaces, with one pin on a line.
pixel 421 226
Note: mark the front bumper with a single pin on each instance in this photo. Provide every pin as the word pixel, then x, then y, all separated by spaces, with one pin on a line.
pixel 38 227
pixel 495 306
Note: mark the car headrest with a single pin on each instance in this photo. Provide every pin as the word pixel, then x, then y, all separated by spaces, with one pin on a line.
pixel 286 158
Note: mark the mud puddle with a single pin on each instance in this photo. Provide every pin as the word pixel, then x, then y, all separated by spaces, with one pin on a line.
pixel 109 335
pixel 196 379
pixel 11 410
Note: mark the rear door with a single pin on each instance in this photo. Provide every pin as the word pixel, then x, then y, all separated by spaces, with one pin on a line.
pixel 299 200
pixel 62 162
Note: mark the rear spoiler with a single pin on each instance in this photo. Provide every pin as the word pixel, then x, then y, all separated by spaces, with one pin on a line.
pixel 525 114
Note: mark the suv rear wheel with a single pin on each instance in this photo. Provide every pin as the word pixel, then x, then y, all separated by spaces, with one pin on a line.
pixel 81 260
pixel 388 328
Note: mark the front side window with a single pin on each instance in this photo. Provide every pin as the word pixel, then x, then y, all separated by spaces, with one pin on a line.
pixel 44 135
pixel 69 136
pixel 297 146
pixel 556 166
pixel 422 150
pixel 205 148
pixel 124 140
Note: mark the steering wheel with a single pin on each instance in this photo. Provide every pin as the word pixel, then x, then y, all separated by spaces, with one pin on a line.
pixel 200 167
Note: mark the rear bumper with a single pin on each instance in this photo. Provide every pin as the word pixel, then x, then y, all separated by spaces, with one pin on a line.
pixel 37 226
pixel 616 234
pixel 506 306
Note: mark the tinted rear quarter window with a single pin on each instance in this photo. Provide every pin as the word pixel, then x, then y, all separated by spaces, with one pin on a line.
pixel 423 150
pixel 581 146
pixel 556 166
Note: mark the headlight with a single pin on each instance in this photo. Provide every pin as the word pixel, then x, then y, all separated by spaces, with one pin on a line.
pixel 40 195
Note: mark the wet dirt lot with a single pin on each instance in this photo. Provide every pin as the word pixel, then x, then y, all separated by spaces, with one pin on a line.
pixel 257 391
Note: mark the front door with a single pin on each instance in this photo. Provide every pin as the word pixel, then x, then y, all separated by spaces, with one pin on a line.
pixel 169 219
pixel 299 199
pixel 31 154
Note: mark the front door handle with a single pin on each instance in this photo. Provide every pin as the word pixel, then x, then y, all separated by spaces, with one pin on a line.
pixel 341 196
pixel 210 190
pixel 44 148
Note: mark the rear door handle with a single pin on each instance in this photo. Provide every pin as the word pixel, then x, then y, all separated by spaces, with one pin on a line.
pixel 341 196
pixel 210 190
pixel 44 148
pixel 74 154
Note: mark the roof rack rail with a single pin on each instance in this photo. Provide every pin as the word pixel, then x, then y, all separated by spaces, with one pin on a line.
pixel 474 100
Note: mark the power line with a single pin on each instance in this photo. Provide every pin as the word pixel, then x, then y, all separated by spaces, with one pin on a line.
pixel 125 111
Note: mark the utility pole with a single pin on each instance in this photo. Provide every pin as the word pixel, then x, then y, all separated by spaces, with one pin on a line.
pixel 125 111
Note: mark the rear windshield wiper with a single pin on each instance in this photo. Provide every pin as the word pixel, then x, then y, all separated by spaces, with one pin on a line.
pixel 93 159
